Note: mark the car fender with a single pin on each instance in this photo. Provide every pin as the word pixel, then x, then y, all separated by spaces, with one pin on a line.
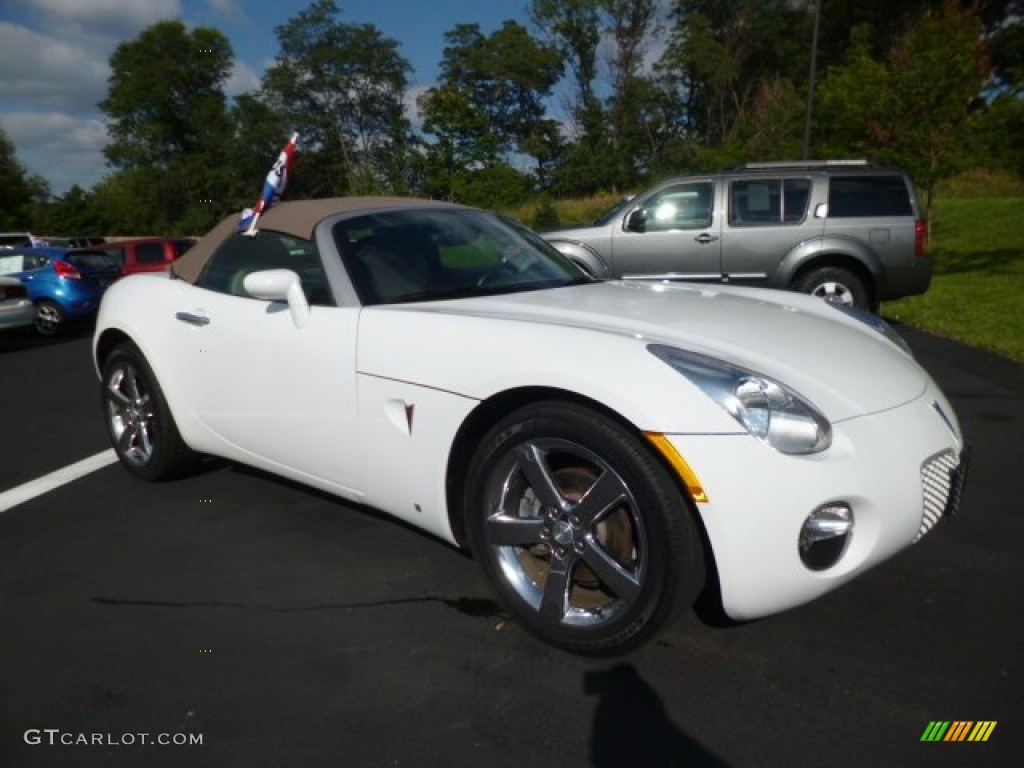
pixel 428 348
pixel 592 262
pixel 828 250
pixel 138 306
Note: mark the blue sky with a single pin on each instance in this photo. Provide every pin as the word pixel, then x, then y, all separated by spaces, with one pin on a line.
pixel 54 54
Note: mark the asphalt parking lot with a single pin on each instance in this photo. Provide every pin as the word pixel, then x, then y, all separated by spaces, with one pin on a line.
pixel 285 628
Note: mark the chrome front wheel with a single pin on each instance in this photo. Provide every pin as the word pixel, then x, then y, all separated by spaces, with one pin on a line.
pixel 581 531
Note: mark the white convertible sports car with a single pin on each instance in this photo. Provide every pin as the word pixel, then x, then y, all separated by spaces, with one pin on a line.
pixel 601 447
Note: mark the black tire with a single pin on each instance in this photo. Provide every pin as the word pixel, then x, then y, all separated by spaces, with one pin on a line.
pixel 581 531
pixel 836 284
pixel 49 318
pixel 138 420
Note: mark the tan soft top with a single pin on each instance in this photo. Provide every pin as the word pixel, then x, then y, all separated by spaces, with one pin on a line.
pixel 294 217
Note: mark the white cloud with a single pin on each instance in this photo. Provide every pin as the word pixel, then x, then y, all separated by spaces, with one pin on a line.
pixel 411 107
pixel 106 18
pixel 49 72
pixel 63 149
pixel 243 79
pixel 229 9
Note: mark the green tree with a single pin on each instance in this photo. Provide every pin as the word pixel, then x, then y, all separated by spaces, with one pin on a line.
pixel 20 191
pixel 632 104
pixel 573 29
pixel 463 139
pixel 727 59
pixel 342 86
pixel 168 121
pixel 912 107
pixel 505 76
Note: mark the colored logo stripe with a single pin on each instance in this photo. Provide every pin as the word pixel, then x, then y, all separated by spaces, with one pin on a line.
pixel 958 730
pixel 982 730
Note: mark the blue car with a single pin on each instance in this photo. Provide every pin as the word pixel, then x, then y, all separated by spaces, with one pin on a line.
pixel 63 285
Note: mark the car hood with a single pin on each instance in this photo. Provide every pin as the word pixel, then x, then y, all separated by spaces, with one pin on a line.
pixel 842 365
pixel 578 232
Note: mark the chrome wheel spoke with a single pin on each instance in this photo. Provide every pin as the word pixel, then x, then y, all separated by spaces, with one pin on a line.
pixel 533 463
pixel 607 492
pixel 120 400
pixel 506 531
pixel 126 440
pixel 555 600
pixel 621 582
pixel 131 379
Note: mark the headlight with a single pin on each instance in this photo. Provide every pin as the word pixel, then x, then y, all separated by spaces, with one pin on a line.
pixel 874 322
pixel 768 410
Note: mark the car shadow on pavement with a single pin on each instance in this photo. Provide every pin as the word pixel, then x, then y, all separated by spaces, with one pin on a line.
pixel 631 726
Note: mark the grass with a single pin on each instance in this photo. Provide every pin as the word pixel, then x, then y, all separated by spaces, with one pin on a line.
pixel 977 293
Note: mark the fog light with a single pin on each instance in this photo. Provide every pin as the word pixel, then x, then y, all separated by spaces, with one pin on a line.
pixel 824 535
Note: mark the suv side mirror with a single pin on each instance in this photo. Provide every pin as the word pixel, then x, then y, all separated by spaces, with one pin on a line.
pixel 637 221
pixel 821 211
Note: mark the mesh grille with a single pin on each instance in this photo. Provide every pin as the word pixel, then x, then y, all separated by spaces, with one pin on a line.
pixel 942 479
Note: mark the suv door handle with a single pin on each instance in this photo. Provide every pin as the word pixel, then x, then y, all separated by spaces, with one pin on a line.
pixel 705 237
pixel 191 319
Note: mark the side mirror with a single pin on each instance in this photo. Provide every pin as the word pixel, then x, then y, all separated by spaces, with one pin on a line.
pixel 821 210
pixel 279 285
pixel 637 221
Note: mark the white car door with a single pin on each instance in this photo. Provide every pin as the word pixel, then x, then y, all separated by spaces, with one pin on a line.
pixel 264 386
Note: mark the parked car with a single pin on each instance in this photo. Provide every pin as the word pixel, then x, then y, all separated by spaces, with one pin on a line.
pixel 150 254
pixel 77 241
pixel 16 309
pixel 582 438
pixel 63 285
pixel 20 240
pixel 842 230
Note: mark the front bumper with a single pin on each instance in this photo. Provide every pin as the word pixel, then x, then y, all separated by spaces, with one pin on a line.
pixel 900 471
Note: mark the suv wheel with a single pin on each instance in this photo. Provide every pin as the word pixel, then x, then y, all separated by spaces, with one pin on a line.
pixel 836 284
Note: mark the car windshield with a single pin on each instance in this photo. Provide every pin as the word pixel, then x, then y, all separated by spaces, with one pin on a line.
pixel 431 254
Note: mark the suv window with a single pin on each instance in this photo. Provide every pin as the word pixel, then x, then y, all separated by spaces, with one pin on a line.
pixel 768 201
pixel 853 196
pixel 149 253
pixel 681 206
pixel 241 255
pixel 117 254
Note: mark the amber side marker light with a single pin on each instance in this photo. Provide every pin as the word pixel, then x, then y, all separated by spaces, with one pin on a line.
pixel 666 449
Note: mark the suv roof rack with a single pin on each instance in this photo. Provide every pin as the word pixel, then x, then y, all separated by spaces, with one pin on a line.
pixel 860 162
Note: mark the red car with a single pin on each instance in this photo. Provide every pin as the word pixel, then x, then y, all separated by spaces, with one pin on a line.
pixel 148 254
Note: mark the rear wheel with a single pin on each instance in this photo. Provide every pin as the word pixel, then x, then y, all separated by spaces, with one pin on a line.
pixel 138 420
pixel 836 284
pixel 583 534
pixel 49 318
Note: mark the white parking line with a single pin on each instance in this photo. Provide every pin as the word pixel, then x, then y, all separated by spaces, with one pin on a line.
pixel 63 476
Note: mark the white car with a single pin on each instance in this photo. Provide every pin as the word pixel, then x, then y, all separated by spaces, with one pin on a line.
pixel 16 309
pixel 600 447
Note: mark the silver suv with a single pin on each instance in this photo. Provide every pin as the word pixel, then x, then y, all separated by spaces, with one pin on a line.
pixel 840 229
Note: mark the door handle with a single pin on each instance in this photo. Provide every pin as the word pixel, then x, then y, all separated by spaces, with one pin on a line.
pixel 191 319
pixel 705 237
